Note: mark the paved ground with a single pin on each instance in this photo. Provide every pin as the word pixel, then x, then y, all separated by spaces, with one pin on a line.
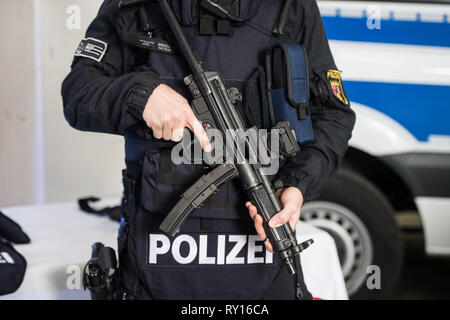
pixel 423 277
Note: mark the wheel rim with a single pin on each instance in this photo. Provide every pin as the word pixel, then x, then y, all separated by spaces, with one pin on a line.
pixel 353 242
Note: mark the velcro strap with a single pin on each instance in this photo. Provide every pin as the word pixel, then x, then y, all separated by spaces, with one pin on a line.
pixel 206 25
pixel 224 27
pixel 289 90
pixel 206 224
pixel 165 162
pixel 296 72
pixel 123 4
pixel 145 42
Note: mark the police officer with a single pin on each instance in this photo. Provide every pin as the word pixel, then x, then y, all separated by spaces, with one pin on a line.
pixel 126 79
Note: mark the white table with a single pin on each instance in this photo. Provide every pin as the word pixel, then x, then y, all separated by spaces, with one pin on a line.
pixel 61 237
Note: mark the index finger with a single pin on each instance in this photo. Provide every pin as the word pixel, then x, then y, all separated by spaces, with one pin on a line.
pixel 282 217
pixel 195 125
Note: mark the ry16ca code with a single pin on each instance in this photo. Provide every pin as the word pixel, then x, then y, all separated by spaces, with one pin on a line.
pixel 246 309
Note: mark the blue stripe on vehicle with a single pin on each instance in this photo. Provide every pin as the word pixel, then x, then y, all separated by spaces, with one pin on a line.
pixel 422 109
pixel 391 31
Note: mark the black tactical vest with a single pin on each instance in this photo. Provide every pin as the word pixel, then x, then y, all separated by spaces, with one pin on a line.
pixel 216 254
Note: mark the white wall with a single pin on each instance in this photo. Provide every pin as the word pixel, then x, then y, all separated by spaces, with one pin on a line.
pixel 65 164
pixel 17 96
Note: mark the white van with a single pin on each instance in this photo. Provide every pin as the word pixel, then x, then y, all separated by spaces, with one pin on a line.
pixel 395 58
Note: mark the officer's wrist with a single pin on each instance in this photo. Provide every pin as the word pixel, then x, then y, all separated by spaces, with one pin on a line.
pixel 286 181
pixel 139 94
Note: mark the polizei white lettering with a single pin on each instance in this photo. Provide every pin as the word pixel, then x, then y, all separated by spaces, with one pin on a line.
pixel 6 258
pixel 206 249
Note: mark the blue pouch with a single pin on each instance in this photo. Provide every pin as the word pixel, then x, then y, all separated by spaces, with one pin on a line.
pixel 288 88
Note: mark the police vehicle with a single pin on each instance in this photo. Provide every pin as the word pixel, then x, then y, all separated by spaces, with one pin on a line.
pixel 395 58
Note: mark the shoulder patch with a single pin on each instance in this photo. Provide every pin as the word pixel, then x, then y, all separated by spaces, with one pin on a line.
pixel 91 48
pixel 334 78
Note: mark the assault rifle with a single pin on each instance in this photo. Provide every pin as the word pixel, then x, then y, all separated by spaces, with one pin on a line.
pixel 214 105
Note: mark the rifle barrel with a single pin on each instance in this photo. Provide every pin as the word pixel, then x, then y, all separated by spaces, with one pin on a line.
pixel 179 35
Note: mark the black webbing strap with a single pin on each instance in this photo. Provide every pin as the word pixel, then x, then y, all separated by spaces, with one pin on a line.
pixel 210 24
pixel 301 292
pixel 257 86
pixel 206 224
pixel 224 27
pixel 206 25
pixel 250 92
pixel 165 162
pixel 168 199
pixel 112 212
pixel 267 118
pixel 176 178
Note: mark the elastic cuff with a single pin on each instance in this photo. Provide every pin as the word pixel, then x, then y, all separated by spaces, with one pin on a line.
pixel 287 180
pixel 138 96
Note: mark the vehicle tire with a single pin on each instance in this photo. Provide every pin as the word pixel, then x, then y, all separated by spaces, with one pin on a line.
pixel 362 222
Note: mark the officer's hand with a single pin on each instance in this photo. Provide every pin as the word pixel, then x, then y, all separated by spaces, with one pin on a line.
pixel 291 199
pixel 167 113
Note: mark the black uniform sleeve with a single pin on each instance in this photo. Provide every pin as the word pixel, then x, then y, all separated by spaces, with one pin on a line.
pixel 102 94
pixel 331 116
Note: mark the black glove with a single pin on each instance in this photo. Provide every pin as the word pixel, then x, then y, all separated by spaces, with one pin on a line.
pixel 12 263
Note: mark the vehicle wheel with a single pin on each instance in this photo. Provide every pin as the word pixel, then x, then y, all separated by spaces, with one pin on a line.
pixel 362 222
